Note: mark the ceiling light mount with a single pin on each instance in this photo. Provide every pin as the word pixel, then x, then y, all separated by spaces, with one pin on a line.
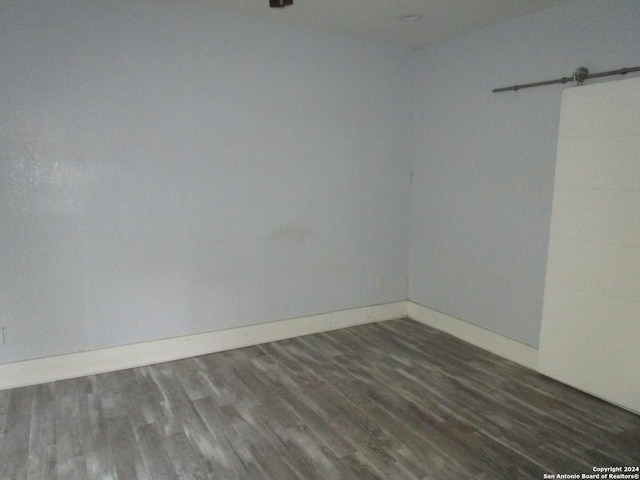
pixel 280 3
pixel 412 17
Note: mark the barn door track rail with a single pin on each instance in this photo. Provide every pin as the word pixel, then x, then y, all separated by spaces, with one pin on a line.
pixel 579 76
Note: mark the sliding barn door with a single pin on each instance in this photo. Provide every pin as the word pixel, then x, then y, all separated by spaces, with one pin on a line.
pixel 590 335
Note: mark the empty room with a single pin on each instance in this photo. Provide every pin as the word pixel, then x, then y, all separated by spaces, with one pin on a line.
pixel 319 239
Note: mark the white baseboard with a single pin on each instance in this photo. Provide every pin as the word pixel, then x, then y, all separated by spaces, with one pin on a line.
pixel 31 372
pixel 520 353
pixel 49 369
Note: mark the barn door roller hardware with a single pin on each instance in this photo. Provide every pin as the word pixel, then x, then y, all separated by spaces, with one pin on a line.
pixel 579 76
pixel 280 3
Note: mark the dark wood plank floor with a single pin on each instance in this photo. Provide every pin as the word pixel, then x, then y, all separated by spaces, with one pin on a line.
pixel 392 400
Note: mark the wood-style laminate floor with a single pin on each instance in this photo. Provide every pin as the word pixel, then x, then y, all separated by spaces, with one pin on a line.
pixel 392 400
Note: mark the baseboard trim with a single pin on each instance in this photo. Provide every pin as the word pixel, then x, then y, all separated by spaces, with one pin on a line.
pixel 517 352
pixel 49 369
pixel 31 372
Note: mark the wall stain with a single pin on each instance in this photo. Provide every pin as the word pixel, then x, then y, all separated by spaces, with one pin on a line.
pixel 293 233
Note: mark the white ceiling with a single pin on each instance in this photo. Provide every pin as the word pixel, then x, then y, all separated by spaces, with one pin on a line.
pixel 379 19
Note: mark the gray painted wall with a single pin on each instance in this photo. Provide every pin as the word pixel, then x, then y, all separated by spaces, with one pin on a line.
pixel 484 163
pixel 166 170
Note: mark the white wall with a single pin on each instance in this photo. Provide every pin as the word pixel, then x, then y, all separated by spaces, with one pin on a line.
pixel 166 170
pixel 484 162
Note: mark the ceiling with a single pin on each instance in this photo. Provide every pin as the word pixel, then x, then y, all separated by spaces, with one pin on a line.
pixel 378 20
